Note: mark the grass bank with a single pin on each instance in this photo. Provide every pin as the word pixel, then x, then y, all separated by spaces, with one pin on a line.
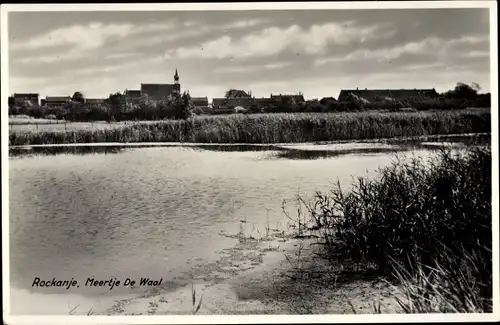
pixel 425 224
pixel 272 128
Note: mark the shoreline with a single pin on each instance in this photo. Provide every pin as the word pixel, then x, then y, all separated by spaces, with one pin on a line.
pixel 188 144
pixel 260 277
pixel 255 276
pixel 297 150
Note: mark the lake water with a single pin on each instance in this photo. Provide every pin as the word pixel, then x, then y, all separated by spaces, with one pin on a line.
pixel 159 212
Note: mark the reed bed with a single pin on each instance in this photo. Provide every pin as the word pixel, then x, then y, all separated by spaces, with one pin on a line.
pixel 272 128
pixel 424 224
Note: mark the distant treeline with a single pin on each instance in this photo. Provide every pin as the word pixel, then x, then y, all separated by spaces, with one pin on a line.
pixel 117 108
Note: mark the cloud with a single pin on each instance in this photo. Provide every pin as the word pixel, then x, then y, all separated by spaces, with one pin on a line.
pixel 423 66
pixel 82 39
pixel 194 30
pixel 123 67
pixel 274 40
pixel 113 56
pixel 89 36
pixel 46 58
pixel 277 65
pixel 190 23
pixel 430 46
pixel 241 24
pixel 250 68
pixel 476 54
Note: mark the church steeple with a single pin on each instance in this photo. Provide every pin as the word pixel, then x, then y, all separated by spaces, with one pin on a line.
pixel 177 85
pixel 176 77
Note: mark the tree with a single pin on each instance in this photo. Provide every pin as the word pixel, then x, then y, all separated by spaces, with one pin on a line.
pixel 37 111
pixel 186 106
pixel 476 86
pixel 118 103
pixel 12 101
pixel 236 93
pixel 78 97
pixel 315 108
pixel 463 91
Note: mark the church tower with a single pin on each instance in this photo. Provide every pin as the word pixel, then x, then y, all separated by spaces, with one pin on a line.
pixel 177 85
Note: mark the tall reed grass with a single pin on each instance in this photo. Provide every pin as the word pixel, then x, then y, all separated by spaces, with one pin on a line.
pixel 426 224
pixel 272 128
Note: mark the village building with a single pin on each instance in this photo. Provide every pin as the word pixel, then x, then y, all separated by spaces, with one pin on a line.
pixel 133 96
pixel 265 102
pixel 28 97
pixel 161 91
pixel 200 101
pixel 374 95
pixel 56 101
pixel 295 98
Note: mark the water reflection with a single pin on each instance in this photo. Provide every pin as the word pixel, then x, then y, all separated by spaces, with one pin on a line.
pixel 56 150
pixel 279 151
pixel 238 147
pixel 324 154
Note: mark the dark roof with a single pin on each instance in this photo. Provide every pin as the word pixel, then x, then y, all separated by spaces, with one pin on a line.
pixel 265 101
pixel 57 98
pixel 94 100
pixel 26 95
pixel 133 93
pixel 200 101
pixel 157 91
pixel 218 101
pixel 379 94
pixel 296 98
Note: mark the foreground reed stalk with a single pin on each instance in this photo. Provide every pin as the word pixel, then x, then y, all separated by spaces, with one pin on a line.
pixel 272 128
pixel 424 224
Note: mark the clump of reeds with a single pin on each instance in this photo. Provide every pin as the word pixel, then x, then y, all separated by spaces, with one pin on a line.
pixel 451 284
pixel 272 128
pixel 425 223
pixel 195 306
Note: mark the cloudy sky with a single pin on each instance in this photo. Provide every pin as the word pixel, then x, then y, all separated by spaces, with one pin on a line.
pixel 316 52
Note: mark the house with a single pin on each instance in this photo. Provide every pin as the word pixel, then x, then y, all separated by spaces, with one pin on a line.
pixel 57 101
pixel 133 96
pixel 161 91
pixel 218 103
pixel 265 102
pixel 387 94
pixel 295 98
pixel 157 91
pixel 22 98
pixel 201 102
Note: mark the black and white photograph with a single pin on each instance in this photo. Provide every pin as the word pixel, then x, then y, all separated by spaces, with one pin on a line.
pixel 254 161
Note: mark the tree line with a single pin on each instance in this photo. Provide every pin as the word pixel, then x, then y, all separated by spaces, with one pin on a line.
pixel 117 107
